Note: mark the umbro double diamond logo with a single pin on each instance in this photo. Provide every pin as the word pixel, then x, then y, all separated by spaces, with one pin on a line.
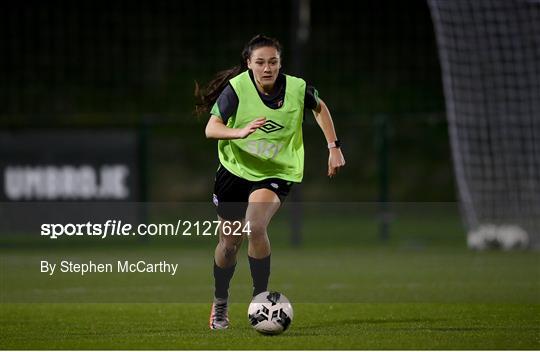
pixel 271 126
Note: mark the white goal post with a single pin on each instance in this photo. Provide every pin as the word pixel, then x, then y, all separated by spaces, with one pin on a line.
pixel 489 52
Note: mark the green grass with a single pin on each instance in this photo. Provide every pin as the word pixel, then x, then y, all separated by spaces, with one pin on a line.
pixel 363 297
pixel 422 289
pixel 316 326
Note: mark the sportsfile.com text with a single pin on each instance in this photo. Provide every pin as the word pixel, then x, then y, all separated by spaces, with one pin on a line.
pixel 120 228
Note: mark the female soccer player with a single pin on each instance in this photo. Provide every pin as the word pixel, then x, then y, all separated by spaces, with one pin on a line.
pixel 256 115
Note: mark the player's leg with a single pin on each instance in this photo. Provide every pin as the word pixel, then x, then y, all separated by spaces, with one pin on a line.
pixel 230 197
pixel 263 204
pixel 225 256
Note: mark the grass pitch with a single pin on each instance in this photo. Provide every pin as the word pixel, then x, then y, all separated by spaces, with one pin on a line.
pixel 317 326
pixel 375 297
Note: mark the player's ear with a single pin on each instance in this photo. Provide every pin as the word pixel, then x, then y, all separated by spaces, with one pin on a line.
pixel 248 61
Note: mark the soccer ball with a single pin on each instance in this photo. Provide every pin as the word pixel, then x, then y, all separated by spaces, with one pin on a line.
pixel 270 313
pixel 513 237
pixel 506 237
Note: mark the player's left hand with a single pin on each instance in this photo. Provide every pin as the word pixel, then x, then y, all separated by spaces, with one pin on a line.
pixel 335 161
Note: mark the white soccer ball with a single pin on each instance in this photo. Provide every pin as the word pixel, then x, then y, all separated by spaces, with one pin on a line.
pixel 270 313
pixel 513 237
pixel 506 237
pixel 483 237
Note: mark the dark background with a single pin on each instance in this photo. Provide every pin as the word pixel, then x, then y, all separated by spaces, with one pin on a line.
pixel 132 65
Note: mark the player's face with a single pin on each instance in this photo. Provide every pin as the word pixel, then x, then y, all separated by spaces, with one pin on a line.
pixel 265 64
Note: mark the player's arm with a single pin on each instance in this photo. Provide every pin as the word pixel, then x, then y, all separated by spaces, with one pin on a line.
pixel 324 119
pixel 216 128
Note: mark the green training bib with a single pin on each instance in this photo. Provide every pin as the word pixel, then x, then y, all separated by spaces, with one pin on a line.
pixel 274 150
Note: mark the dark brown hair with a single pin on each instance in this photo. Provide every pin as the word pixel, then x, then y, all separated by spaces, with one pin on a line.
pixel 206 96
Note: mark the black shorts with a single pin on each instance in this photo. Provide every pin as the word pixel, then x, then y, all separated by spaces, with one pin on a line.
pixel 231 193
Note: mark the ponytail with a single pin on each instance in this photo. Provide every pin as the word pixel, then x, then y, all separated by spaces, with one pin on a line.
pixel 206 97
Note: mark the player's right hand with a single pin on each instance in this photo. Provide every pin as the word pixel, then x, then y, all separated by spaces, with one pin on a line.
pixel 251 127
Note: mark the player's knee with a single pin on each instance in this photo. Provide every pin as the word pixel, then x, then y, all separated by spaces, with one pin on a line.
pixel 230 252
pixel 231 240
pixel 257 229
pixel 229 249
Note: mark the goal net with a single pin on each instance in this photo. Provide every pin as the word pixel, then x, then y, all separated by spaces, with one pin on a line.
pixel 490 59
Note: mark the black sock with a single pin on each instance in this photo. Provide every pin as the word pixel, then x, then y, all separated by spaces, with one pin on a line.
pixel 260 272
pixel 222 278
